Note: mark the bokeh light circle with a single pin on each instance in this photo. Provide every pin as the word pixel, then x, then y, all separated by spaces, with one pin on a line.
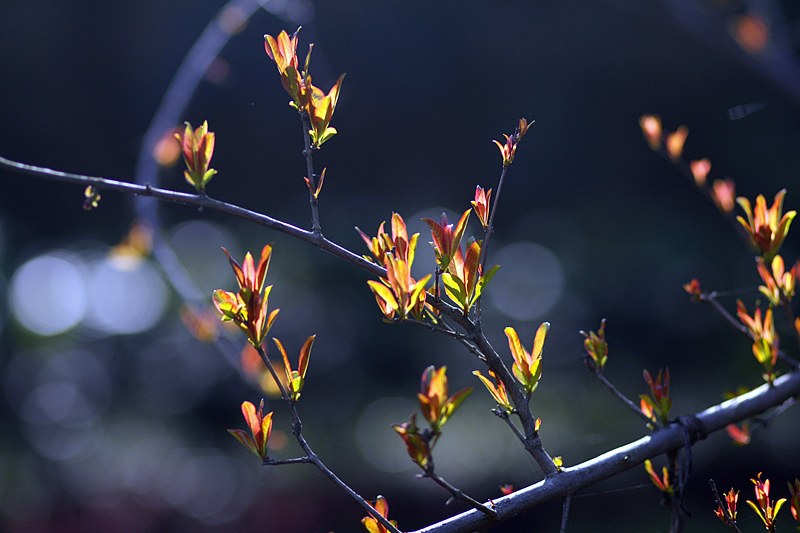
pixel 379 447
pixel 48 293
pixel 529 283
pixel 124 300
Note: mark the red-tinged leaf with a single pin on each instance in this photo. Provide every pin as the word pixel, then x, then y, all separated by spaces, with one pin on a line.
pixel 417 448
pixel 472 266
pixel 368 241
pixel 270 320
pixel 186 145
pixel 498 391
pixel 740 436
pixel 286 364
pixel 783 228
pixel 538 341
pixel 252 417
pixel 208 143
pixel 382 506
pixel 438 233
pixel 521 375
pixel 263 266
pixel 264 433
pixel 333 94
pixel 320 182
pixel 245 439
pixel 535 374
pixel 237 270
pixel 305 354
pixel 649 380
pixel 433 383
pixel 412 247
pixel 461 227
pixel 646 405
pixel 663 485
pixel 399 276
pixel 456 266
pixel 757 510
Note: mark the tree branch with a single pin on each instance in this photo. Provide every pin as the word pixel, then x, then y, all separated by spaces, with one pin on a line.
pixel 199 200
pixel 671 437
pixel 313 458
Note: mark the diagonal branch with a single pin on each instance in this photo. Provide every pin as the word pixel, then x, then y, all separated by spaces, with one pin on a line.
pixel 311 457
pixel 597 373
pixel 199 200
pixel 623 458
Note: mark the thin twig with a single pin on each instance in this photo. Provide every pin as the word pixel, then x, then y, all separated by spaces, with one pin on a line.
pixel 487 234
pixel 308 153
pixel 458 494
pixel 297 428
pixel 490 225
pixel 293 461
pixel 436 328
pixel 711 298
pixel 597 373
pixel 502 413
pixel 729 520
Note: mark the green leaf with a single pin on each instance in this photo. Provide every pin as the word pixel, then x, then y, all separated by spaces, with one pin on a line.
pixel 455 289
pixel 454 402
pixel 483 282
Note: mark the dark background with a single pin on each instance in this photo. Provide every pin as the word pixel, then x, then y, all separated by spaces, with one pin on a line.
pixel 126 432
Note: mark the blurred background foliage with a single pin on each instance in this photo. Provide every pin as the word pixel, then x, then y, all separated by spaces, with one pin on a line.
pixel 114 416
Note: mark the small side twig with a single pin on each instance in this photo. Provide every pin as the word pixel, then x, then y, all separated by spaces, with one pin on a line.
pixel 457 493
pixel 436 328
pixel 597 373
pixel 711 299
pixel 502 413
pixel 727 518
pixel 308 153
pixel 292 461
pixel 487 234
